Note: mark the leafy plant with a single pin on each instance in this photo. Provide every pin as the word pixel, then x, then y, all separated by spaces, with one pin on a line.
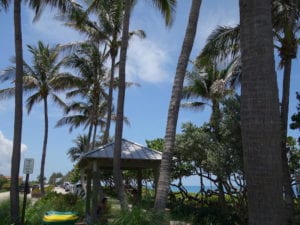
pixel 4 212
pixel 138 216
pixel 54 202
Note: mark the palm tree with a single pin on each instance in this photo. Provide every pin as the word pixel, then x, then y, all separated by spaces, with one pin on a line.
pixel 75 152
pixel 260 116
pixel 164 176
pixel 89 85
pixel 106 30
pixel 16 153
pixel 212 85
pixel 42 80
pixel 64 6
pixel 224 42
pixel 166 7
pixel 285 17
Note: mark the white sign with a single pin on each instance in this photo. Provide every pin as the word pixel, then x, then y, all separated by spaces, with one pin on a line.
pixel 28 166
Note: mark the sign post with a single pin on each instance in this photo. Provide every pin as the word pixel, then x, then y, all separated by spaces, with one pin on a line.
pixel 28 169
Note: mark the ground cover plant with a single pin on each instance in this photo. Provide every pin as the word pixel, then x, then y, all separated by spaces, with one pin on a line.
pixel 54 202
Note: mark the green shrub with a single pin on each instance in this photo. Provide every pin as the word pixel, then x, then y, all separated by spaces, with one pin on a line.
pixel 139 216
pixel 49 189
pixel 6 186
pixel 54 202
pixel 4 212
pixel 213 215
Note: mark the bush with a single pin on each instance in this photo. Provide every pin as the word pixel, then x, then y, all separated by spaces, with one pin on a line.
pixel 4 212
pixel 54 202
pixel 6 186
pixel 138 216
pixel 212 215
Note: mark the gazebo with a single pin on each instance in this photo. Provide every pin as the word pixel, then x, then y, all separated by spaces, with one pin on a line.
pixel 133 157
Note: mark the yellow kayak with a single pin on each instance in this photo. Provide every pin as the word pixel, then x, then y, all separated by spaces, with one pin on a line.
pixel 54 216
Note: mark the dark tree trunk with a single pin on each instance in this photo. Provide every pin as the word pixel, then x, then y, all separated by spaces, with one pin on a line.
pixel 288 52
pixel 43 160
pixel 110 100
pixel 16 154
pixel 164 176
pixel 120 109
pixel 260 116
pixel 287 181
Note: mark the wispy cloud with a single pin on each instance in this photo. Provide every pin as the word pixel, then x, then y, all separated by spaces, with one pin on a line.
pixel 49 29
pixel 6 146
pixel 147 62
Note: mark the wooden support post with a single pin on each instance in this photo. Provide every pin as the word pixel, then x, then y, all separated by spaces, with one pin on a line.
pixel 156 175
pixel 96 187
pixel 139 185
pixel 88 195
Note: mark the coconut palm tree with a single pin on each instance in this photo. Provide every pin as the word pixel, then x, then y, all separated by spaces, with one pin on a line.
pixel 260 116
pixel 18 117
pixel 36 5
pixel 90 86
pixel 42 80
pixel 106 30
pixel 75 152
pixel 164 176
pixel 224 42
pixel 211 85
pixel 167 8
pixel 285 24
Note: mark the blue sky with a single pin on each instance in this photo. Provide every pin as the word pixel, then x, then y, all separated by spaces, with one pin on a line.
pixel 151 63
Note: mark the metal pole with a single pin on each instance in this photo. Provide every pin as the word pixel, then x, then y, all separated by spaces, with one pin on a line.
pixel 25 198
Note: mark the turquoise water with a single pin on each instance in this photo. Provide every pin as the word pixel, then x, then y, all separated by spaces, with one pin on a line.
pixel 194 189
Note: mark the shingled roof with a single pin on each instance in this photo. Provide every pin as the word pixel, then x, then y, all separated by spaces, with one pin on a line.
pixel 133 155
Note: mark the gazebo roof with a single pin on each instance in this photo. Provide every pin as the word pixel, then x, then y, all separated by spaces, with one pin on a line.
pixel 133 156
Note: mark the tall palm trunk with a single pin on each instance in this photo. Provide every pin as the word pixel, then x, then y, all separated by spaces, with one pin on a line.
pixel 16 154
pixel 288 52
pixel 164 176
pixel 287 182
pixel 215 121
pixel 43 160
pixel 94 137
pixel 110 99
pixel 120 109
pixel 260 116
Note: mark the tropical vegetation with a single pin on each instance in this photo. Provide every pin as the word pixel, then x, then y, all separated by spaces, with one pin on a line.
pixel 243 151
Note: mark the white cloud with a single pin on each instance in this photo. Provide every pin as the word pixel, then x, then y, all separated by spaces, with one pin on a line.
pixel 6 146
pixel 49 29
pixel 147 61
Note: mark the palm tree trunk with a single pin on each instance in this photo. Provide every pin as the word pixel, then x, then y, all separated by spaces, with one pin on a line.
pixel 16 154
pixel 287 182
pixel 260 116
pixel 94 137
pixel 120 109
pixel 215 121
pixel 110 100
pixel 164 176
pixel 88 147
pixel 42 174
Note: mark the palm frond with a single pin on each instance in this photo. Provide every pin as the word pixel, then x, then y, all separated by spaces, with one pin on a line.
pixel 197 106
pixel 74 121
pixel 167 9
pixel 8 74
pixel 223 42
pixel 7 93
pixel 58 101
pixel 33 99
